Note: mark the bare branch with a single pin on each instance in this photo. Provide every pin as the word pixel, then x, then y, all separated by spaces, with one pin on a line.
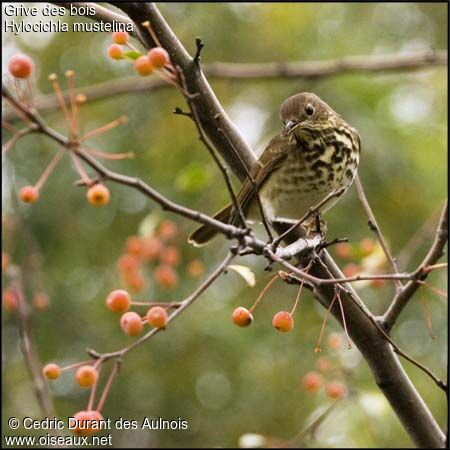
pixel 251 71
pixel 433 255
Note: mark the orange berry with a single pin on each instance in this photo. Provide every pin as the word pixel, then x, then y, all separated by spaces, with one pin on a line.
pixel 120 37
pixel 115 51
pixel 134 280
pixel 5 261
pixel 10 300
pixel 20 66
pixel 312 382
pixel 167 230
pixel 98 195
pixel 158 57
pixel 152 248
pixel 118 301
pixel 131 323
pixel 170 255
pixel 29 194
pixel 143 66
pixel 377 284
pixel 335 341
pixel 134 245
pixel 127 263
pixel 242 317
pixel 84 422
pixel 41 301
pixel 86 376
pixel 51 371
pixel 336 389
pixel 367 246
pixel 343 250
pixel 157 317
pixel 283 321
pixel 351 269
pixel 166 276
pixel 195 268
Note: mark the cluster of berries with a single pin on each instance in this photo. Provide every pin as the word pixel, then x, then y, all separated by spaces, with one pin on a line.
pixel 157 60
pixel 159 250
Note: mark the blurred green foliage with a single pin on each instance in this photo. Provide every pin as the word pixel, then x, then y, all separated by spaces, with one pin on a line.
pixel 226 381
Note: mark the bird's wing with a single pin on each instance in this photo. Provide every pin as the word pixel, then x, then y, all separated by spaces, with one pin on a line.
pixel 270 160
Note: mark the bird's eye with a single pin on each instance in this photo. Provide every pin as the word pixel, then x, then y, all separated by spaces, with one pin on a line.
pixel 309 109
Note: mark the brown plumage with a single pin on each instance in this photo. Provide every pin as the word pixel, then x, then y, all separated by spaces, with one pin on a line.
pixel 316 153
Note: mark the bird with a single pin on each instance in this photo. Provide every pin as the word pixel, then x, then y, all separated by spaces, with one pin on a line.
pixel 317 152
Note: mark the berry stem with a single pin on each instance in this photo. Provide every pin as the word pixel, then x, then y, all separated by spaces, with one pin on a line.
pixel 263 292
pixel 297 299
pixel 71 89
pixel 50 168
pixel 79 364
pixel 59 95
pixel 146 25
pixel 107 388
pixel 322 329
pixel 80 169
pixel 30 92
pixel 98 366
pixel 104 155
pixel 426 313
pixel 109 126
pixel 435 290
pixel 341 306
pixel 132 47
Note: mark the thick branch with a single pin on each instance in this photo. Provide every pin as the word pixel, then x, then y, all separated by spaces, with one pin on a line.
pixel 436 251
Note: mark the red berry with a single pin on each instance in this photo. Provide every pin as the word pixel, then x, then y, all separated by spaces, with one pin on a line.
pixel 351 269
pixel 127 263
pixel 120 37
pixel 336 389
pixel 158 57
pixel 170 255
pixel 134 245
pixel 10 301
pixel 367 246
pixel 98 195
pixel 131 323
pixel 283 321
pixel 29 194
pixel 335 341
pixel 40 301
pixel 167 230
pixel 312 382
pixel 166 276
pixel 152 248
pixel 118 301
pixel 343 250
pixel 20 66
pixel 86 376
pixel 195 268
pixel 143 66
pixel 157 317
pixel 115 51
pixel 242 317
pixel 51 371
pixel 84 422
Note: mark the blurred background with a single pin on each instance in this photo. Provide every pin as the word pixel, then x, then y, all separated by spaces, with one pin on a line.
pixel 234 386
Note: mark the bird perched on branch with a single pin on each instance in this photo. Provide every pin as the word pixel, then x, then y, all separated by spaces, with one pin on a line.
pixel 316 153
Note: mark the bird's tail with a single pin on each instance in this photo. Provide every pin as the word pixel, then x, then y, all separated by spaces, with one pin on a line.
pixel 203 234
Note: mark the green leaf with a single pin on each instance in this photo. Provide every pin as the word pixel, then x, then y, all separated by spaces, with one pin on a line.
pixel 132 54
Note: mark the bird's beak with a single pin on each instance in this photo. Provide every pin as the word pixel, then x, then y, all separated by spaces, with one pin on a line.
pixel 290 124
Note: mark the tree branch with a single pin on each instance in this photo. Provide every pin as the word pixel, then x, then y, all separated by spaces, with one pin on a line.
pixel 404 296
pixel 254 71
